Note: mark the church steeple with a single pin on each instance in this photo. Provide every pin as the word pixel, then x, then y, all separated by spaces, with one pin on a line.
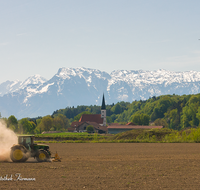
pixel 103 106
pixel 103 111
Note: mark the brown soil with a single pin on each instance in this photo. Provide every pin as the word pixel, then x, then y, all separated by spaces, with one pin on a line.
pixel 110 166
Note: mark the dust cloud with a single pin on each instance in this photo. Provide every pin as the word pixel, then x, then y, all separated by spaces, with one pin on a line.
pixel 7 139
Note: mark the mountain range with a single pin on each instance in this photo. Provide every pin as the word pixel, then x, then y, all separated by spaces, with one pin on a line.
pixel 37 96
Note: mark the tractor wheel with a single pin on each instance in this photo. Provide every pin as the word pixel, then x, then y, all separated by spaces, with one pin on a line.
pixel 42 156
pixel 18 154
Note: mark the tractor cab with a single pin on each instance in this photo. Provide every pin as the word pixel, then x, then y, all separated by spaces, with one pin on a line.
pixel 26 141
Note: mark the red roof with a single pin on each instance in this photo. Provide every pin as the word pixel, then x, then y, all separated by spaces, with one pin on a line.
pixel 92 118
pixel 133 127
pixel 130 123
pixel 75 124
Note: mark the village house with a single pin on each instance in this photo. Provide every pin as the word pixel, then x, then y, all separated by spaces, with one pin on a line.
pixel 98 121
pixel 81 127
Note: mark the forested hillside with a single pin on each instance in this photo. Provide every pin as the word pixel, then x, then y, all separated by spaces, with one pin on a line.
pixel 171 111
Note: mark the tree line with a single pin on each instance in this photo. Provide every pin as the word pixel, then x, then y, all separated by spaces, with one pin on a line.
pixel 171 111
pixel 37 125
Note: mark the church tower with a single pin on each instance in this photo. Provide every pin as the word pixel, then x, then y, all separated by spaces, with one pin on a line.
pixel 103 111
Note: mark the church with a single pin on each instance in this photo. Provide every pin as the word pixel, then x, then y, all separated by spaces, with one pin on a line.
pixel 98 121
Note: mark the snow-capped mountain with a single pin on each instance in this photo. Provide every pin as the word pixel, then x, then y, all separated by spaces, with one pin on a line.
pixel 12 86
pixel 37 96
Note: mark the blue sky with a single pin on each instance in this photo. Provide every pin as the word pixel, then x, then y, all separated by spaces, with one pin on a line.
pixel 39 37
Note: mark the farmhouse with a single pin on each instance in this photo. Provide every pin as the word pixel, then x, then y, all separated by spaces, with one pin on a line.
pixel 81 127
pixel 114 129
pixel 98 121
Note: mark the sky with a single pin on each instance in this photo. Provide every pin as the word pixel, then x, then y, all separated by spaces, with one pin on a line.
pixel 39 37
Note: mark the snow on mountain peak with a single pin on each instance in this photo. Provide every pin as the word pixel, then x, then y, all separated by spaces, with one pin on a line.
pixel 132 77
pixel 65 73
pixel 81 72
pixel 35 79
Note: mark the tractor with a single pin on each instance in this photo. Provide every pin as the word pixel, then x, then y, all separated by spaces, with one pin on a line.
pixel 27 148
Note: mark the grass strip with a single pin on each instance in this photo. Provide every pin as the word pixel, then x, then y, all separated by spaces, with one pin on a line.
pixel 134 136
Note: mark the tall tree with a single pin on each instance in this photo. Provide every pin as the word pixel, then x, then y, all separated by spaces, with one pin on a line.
pixel 12 123
pixel 45 124
pixel 140 119
pixel 26 126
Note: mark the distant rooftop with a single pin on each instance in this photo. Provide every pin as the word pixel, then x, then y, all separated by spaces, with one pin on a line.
pixel 133 127
pixel 92 118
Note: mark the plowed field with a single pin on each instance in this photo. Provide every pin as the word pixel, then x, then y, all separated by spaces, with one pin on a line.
pixel 110 166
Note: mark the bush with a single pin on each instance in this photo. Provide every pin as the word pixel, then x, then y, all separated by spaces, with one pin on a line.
pixel 90 129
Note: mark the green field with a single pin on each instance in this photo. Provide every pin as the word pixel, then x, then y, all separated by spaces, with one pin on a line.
pixel 135 136
pixel 63 134
pixel 67 137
